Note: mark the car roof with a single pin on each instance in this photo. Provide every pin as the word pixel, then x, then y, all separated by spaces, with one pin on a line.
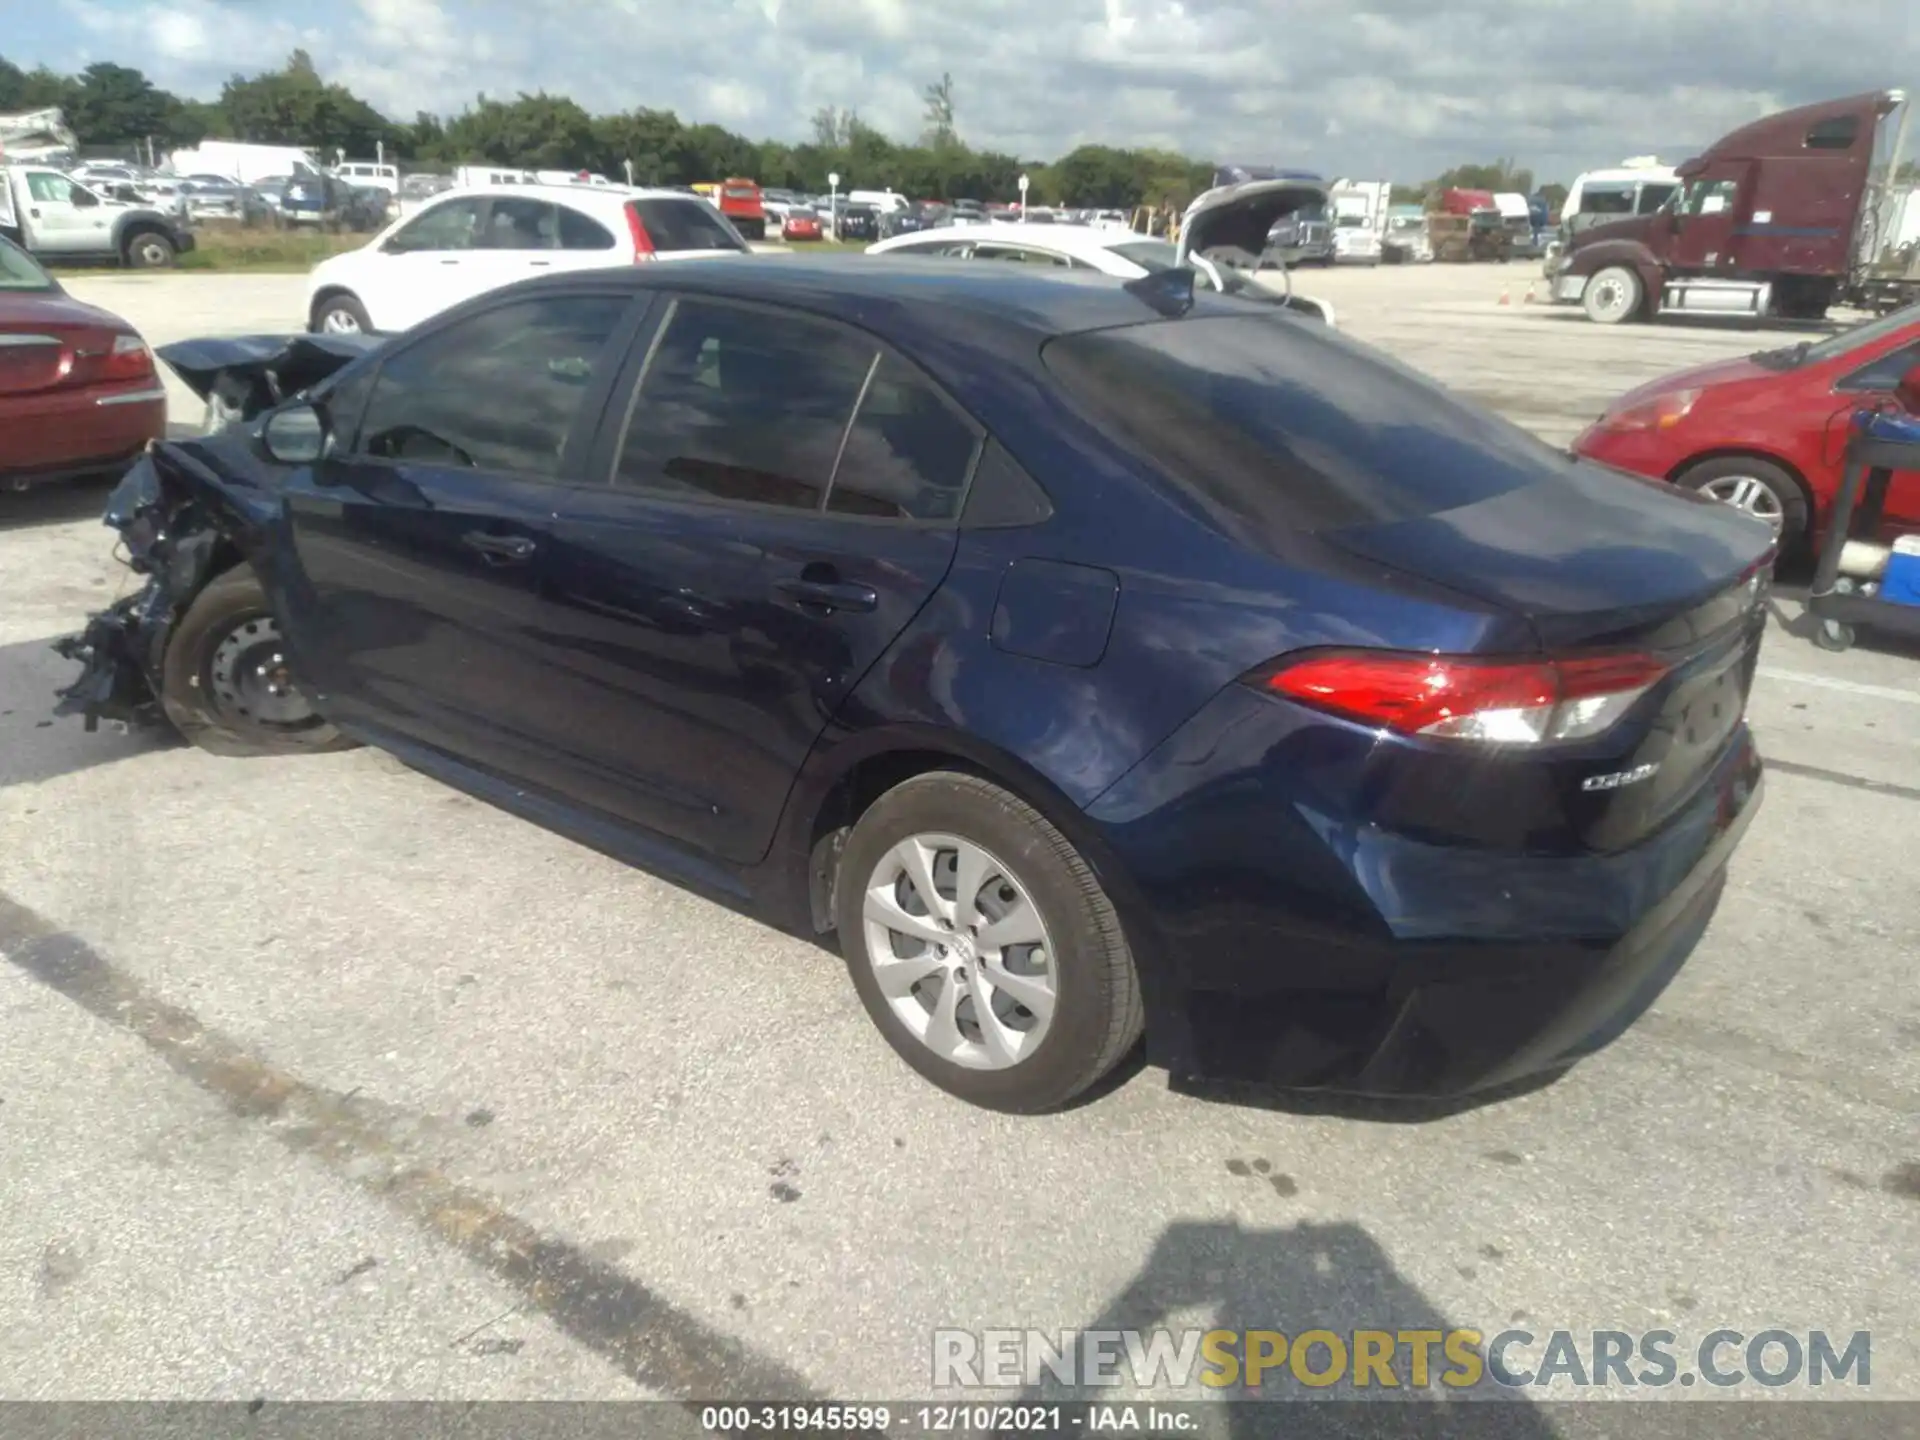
pixel 542 191
pixel 1066 239
pixel 898 295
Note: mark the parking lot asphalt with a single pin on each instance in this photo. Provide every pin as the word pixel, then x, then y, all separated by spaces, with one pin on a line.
pixel 320 1080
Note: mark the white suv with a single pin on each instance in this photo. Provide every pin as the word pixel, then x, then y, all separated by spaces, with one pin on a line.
pixel 466 242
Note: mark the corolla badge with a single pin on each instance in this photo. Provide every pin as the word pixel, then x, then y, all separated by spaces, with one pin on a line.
pixel 1620 778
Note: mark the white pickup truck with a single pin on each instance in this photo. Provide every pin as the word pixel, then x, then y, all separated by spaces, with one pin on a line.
pixel 56 218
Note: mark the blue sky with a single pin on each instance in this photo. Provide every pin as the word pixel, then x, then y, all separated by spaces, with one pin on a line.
pixel 1390 88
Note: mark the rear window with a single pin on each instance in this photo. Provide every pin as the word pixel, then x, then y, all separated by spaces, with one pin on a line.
pixel 19 270
pixel 1277 426
pixel 686 225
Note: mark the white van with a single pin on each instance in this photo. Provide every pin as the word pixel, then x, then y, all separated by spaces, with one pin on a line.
pixel 368 176
pixel 1636 187
pixel 887 202
pixel 472 177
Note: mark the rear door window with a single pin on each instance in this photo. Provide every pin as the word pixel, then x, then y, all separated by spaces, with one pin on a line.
pixel 745 405
pixel 909 453
pixel 517 224
pixel 686 225
pixel 499 391
pixel 1275 426
pixel 582 232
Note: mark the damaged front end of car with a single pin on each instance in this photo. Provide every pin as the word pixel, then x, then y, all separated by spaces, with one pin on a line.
pixel 187 511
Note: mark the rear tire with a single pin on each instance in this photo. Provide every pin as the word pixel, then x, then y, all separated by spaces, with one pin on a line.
pixel 1037 919
pixel 1759 487
pixel 225 684
pixel 1613 295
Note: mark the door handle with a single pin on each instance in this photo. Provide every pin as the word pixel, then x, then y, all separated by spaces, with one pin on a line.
pixel 450 262
pixel 828 595
pixel 500 549
pixel 540 264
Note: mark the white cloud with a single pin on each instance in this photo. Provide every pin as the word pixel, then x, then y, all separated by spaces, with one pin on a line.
pixel 1404 84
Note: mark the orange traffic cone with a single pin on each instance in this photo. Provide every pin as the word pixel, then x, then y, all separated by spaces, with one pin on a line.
pixel 1529 300
pixel 1506 297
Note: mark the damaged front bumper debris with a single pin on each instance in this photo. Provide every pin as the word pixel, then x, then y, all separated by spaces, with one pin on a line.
pixel 180 522
pixel 169 539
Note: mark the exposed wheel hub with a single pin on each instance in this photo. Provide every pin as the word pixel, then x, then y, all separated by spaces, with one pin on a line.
pixel 251 679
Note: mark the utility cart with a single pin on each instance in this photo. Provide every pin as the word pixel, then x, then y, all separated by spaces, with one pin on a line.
pixel 1857 581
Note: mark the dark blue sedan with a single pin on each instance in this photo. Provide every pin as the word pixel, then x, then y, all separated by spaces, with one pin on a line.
pixel 1095 659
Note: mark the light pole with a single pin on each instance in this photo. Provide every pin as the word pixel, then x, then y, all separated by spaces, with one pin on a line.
pixel 1024 182
pixel 833 203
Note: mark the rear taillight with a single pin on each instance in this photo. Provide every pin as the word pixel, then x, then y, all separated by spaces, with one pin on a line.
pixel 1505 702
pixel 642 241
pixel 129 359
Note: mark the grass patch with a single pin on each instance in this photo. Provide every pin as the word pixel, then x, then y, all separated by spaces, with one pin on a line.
pixel 231 248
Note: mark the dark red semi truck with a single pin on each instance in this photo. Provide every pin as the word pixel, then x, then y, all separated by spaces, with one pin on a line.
pixel 1780 218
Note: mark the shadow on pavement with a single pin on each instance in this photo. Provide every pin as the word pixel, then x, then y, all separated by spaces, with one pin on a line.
pixel 54 504
pixel 1221 1274
pixel 36 745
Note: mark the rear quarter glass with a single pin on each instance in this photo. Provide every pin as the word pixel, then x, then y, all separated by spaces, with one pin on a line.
pixel 1280 426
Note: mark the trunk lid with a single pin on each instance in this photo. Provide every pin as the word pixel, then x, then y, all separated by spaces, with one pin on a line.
pixel 1238 217
pixel 1279 431
pixel 50 341
pixel 1639 567
pixel 1592 557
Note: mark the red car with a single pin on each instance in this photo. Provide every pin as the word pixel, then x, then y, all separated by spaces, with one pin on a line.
pixel 1767 433
pixel 800 225
pixel 78 392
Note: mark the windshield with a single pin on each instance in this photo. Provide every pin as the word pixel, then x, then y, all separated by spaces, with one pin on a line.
pixel 1848 341
pixel 1151 255
pixel 20 271
pixel 1155 256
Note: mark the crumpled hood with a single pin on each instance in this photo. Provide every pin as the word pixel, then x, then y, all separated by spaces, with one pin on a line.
pixel 1239 216
pixel 289 363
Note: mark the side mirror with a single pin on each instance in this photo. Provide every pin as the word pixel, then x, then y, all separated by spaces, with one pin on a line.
pixel 296 435
pixel 82 199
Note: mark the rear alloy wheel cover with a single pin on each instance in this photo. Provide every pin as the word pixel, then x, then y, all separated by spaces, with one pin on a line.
pixel 339 321
pixel 1748 493
pixel 960 951
pixel 250 680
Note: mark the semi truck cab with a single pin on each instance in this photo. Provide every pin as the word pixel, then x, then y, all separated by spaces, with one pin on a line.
pixel 1767 222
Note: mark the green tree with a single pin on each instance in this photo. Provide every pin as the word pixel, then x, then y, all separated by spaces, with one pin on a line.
pixel 115 105
pixel 294 106
pixel 940 133
pixel 537 132
pixel 34 89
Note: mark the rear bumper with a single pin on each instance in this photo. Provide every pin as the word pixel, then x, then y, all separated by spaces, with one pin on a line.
pixel 1345 959
pixel 91 432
